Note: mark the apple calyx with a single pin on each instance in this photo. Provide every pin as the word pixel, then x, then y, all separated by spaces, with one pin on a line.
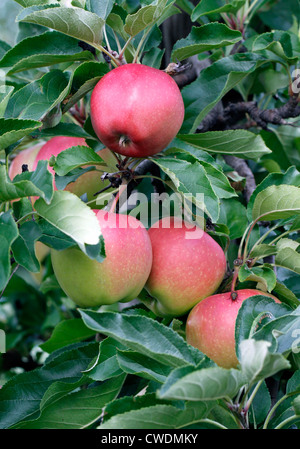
pixel 124 141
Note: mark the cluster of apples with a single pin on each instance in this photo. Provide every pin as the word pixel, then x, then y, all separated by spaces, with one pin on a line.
pixel 181 269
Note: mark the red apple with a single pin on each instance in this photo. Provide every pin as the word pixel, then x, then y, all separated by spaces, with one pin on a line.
pixel 122 274
pixel 188 265
pixel 89 182
pixel 24 157
pixel 136 110
pixel 210 325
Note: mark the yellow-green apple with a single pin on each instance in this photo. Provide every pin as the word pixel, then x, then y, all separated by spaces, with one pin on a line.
pixel 188 265
pixel 122 274
pixel 210 325
pixel 136 110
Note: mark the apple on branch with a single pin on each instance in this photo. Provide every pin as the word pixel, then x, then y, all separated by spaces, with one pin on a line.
pixel 120 276
pixel 188 265
pixel 136 110
pixel 89 182
pixel 210 325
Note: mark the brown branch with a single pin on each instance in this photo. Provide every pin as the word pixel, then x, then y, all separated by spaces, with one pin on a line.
pixel 242 168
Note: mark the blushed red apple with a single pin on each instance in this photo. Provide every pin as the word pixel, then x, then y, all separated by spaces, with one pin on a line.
pixel 188 265
pixel 24 157
pixel 136 110
pixel 89 182
pixel 122 274
pixel 210 325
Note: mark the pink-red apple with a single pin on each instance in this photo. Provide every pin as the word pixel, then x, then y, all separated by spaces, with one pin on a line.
pixel 89 182
pixel 210 325
pixel 188 265
pixel 122 274
pixel 136 110
pixel 24 157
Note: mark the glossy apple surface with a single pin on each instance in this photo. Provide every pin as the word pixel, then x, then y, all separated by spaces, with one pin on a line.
pixel 122 274
pixel 136 110
pixel 188 265
pixel 210 326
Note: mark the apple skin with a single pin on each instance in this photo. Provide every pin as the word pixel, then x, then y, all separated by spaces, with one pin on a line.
pixel 122 274
pixel 88 183
pixel 184 270
pixel 138 104
pixel 210 325
pixel 27 157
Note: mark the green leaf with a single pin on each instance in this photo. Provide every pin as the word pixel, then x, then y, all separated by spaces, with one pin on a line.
pixel 285 295
pixel 85 78
pixel 212 84
pixel 76 410
pixel 147 15
pixel 28 3
pixel 41 51
pixel 204 384
pixel 38 183
pixel 254 313
pixel 132 362
pixel 263 250
pixel 102 9
pixel 233 215
pixel 239 142
pixel 106 364
pixel 8 234
pixel 11 130
pixel 191 180
pixel 283 44
pixel 66 367
pixel 263 275
pixel 290 177
pixel 24 246
pixel 53 237
pixel 62 129
pixel 216 6
pixel 282 333
pixel 138 333
pixel 288 258
pixel 75 157
pixel 5 94
pixel 160 416
pixel 70 215
pixel 218 179
pixel 258 363
pixel 205 38
pixel 65 333
pixel 37 98
pixel 276 202
pixel 75 22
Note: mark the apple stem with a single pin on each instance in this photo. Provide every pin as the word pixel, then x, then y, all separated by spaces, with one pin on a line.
pixel 234 294
pixel 121 190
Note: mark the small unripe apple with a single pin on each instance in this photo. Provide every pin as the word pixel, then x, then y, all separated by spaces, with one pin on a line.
pixel 210 325
pixel 122 274
pixel 188 265
pixel 136 110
